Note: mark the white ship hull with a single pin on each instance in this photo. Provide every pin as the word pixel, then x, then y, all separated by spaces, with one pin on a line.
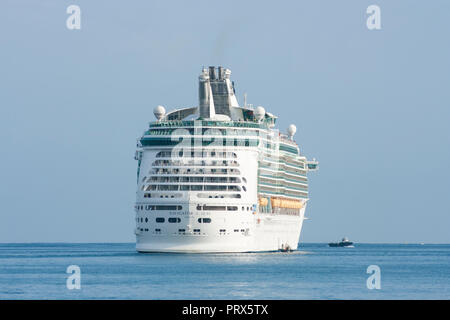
pixel 271 233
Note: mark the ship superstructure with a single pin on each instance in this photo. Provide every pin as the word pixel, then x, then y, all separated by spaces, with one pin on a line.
pixel 218 177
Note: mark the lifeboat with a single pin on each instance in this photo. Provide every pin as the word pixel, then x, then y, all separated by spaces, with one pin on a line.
pixel 275 202
pixel 286 203
pixel 263 202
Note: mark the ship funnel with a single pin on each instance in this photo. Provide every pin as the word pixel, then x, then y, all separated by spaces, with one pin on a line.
pixel 221 73
pixel 212 73
pixel 205 96
pixel 222 90
pixel 216 93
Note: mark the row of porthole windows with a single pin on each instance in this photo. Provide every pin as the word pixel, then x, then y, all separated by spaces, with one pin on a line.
pixel 158 207
pixel 207 195
pixel 200 195
pixel 235 230
pixel 217 208
pixel 195 230
pixel 160 220
pixel 157 230
pixel 172 220
pixel 156 195
pixel 199 207
pixel 221 208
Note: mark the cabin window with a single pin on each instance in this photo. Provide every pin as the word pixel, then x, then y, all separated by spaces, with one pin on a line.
pixel 214 208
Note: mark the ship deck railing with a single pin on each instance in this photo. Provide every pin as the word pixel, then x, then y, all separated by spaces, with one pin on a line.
pixel 190 123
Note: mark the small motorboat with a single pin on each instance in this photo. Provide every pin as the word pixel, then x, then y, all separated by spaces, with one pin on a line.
pixel 285 248
pixel 344 243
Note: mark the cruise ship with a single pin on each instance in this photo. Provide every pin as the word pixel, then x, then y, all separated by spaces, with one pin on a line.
pixel 218 177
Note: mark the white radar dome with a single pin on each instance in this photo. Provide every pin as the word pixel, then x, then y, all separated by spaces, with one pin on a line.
pixel 259 113
pixel 159 112
pixel 291 130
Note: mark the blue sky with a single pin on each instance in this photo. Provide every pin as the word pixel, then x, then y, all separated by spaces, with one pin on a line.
pixel 372 106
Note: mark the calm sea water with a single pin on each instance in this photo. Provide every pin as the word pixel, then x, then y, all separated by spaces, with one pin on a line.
pixel 116 271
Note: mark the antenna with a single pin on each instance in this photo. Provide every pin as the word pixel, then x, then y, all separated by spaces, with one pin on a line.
pixel 245 100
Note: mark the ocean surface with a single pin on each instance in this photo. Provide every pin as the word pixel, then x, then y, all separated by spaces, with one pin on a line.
pixel 315 271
